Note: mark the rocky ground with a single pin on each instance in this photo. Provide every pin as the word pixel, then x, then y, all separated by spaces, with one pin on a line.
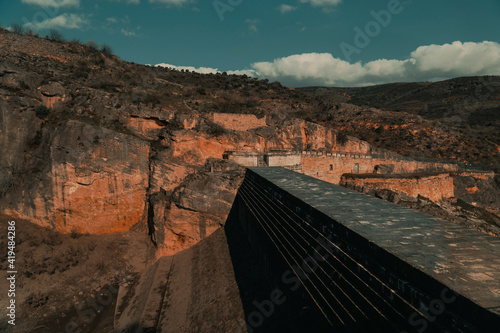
pixel 65 278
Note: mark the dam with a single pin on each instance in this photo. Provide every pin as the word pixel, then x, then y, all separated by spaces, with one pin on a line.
pixel 338 260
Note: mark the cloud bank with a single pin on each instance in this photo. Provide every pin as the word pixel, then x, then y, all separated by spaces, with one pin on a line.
pixel 208 70
pixel 64 21
pixel 202 70
pixel 426 63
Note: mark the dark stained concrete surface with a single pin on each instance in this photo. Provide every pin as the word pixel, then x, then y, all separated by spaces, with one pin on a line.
pixel 427 253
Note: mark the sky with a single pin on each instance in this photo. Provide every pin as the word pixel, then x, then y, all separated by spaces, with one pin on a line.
pixel 295 42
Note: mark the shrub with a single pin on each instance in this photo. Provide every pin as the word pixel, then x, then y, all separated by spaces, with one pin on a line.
pixel 106 49
pixel 75 234
pixel 17 29
pixel 56 36
pixel 32 33
pixel 52 238
pixel 42 112
pixel 107 84
pixel 153 98
pixel 341 138
pixel 92 45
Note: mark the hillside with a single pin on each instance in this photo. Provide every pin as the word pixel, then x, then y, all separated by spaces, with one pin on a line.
pixel 454 119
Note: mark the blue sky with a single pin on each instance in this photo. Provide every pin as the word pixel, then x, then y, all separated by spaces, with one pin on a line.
pixel 297 42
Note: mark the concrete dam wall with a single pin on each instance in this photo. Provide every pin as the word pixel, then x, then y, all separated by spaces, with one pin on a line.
pixel 338 260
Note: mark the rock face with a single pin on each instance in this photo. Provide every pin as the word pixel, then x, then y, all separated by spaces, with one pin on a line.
pixel 91 180
pixel 478 188
pixel 98 175
pixel 238 122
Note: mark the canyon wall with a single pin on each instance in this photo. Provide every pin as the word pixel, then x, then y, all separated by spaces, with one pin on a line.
pixel 99 164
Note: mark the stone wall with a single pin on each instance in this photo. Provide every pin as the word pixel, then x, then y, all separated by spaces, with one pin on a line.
pixel 435 187
pixel 286 159
pixel 246 160
pixel 331 166
pixel 238 122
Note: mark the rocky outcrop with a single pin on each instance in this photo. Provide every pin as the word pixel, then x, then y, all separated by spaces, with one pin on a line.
pixel 238 122
pixel 52 95
pixel 197 207
pixel 480 189
pixel 92 180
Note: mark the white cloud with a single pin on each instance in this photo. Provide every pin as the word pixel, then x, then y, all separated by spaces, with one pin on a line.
pixel 128 33
pixel 252 24
pixel 248 72
pixel 322 3
pixel 115 20
pixel 172 2
pixel 426 63
pixel 286 8
pixel 202 70
pixel 64 21
pixel 465 58
pixel 53 3
pixel 209 70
